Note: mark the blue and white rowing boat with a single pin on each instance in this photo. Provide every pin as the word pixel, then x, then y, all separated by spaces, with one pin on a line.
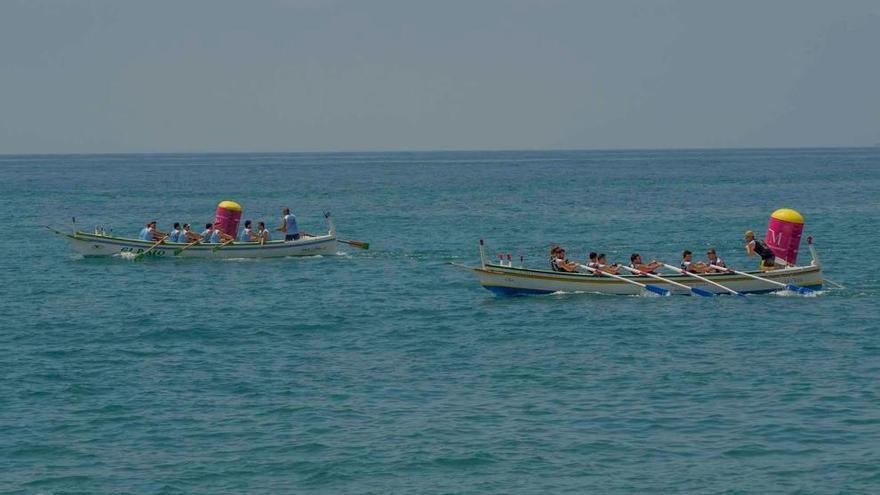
pixel 507 280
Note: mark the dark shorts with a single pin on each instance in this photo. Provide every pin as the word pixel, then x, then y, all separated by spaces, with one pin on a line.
pixel 292 237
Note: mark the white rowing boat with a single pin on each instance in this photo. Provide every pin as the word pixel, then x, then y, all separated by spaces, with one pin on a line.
pixel 507 280
pixel 99 244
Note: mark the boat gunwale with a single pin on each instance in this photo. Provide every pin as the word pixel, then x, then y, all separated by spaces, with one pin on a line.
pixel 237 245
pixel 578 277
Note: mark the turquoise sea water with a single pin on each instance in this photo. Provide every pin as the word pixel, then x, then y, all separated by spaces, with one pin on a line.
pixel 389 371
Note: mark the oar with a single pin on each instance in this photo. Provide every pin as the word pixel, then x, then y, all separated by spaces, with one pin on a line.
pixel 140 256
pixel 696 290
pixel 184 248
pixel 791 287
pixel 652 288
pixel 230 241
pixel 357 244
pixel 704 279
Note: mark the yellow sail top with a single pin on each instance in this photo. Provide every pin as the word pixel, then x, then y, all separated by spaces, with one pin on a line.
pixel 232 205
pixel 788 215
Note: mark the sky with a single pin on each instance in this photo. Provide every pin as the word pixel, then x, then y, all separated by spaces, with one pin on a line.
pixel 309 75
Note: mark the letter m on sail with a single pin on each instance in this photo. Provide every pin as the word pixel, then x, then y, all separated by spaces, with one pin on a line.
pixel 775 237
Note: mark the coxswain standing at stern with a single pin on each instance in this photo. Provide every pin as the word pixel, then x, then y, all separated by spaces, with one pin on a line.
pixel 288 225
pixel 754 246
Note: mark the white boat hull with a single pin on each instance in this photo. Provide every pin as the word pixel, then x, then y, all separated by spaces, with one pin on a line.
pixel 509 281
pixel 98 245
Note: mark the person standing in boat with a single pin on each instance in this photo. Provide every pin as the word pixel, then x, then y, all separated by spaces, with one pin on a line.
pixel 754 246
pixel 247 233
pixel 288 225
pixel 714 260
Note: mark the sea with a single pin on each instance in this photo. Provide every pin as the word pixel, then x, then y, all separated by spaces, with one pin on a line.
pixel 390 370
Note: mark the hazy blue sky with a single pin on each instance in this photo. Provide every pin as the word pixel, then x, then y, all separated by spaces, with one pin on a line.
pixel 153 76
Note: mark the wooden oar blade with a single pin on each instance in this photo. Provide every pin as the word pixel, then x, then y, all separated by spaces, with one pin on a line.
pixel 702 292
pixel 357 244
pixel 657 290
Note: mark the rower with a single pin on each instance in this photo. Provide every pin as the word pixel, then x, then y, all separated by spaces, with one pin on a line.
pixel 208 232
pixel 146 233
pixel 558 263
pixel 603 267
pixel 593 262
pixel 187 235
pixel 754 246
pixel 155 233
pixel 714 260
pixel 218 235
pixel 636 262
pixel 263 233
pixel 175 233
pixel 247 233
pixel 288 225
pixel 688 264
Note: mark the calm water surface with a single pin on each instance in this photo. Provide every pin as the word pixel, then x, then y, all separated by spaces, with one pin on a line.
pixel 389 371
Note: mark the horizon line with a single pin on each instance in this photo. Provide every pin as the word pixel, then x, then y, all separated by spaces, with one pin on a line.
pixel 462 150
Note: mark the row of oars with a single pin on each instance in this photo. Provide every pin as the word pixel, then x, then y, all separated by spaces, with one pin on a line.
pixel 693 290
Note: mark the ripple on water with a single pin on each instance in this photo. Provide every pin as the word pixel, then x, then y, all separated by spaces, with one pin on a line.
pixel 388 371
